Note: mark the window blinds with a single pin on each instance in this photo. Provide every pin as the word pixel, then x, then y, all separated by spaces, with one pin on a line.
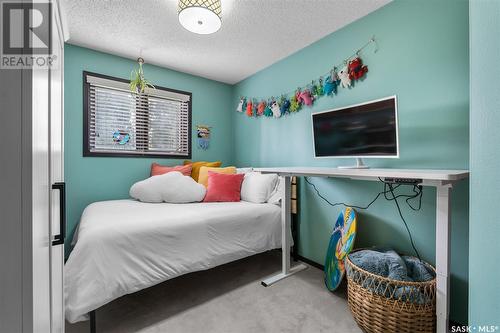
pixel 153 123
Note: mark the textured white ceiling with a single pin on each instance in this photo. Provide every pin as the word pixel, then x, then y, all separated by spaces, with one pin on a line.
pixel 254 33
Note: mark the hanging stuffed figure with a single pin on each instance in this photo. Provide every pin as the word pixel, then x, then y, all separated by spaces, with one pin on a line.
pixel 267 111
pixel 357 69
pixel 261 107
pixel 329 87
pixel 305 97
pixel 255 109
pixel 331 83
pixel 345 80
pixel 275 107
pixel 285 106
pixel 240 104
pixel 312 88
pixel 335 79
pixel 294 103
pixel 249 108
pixel 319 88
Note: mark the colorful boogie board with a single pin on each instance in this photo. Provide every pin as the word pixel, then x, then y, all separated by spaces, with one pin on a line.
pixel 341 243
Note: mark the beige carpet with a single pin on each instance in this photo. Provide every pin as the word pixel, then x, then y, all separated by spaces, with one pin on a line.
pixel 230 299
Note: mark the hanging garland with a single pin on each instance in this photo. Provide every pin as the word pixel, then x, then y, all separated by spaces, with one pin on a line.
pixel 352 69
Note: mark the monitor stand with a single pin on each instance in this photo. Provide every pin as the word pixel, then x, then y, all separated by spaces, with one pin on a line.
pixel 359 165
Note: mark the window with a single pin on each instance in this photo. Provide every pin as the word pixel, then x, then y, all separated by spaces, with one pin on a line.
pixel 118 122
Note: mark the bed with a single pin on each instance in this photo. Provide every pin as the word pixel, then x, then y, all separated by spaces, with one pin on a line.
pixel 123 246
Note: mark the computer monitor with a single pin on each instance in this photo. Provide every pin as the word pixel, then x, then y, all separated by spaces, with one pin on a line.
pixel 366 130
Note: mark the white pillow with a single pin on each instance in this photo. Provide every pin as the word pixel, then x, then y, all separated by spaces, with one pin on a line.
pixel 275 197
pixel 244 170
pixel 257 187
pixel 171 187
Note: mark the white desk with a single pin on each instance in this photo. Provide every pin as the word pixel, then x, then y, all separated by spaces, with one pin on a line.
pixel 441 179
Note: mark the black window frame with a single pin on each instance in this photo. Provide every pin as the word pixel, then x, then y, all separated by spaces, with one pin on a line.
pixel 86 117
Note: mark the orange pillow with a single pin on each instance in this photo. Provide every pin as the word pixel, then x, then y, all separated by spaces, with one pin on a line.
pixel 203 177
pixel 158 169
pixel 197 165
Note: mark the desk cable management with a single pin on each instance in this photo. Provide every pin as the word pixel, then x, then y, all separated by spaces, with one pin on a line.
pixel 389 195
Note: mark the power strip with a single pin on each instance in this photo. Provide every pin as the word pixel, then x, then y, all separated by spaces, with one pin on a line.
pixel 403 181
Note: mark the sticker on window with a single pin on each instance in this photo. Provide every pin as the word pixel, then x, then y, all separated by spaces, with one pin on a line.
pixel 121 137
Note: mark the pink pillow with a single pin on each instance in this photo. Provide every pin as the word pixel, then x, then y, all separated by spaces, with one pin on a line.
pixel 223 187
pixel 157 169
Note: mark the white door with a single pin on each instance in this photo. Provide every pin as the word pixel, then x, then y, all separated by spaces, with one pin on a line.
pixel 41 201
pixel 58 210
pixel 48 190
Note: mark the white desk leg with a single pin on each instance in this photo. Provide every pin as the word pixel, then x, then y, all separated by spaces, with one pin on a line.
pixel 443 232
pixel 285 235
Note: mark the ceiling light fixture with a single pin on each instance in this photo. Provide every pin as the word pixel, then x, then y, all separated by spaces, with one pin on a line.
pixel 200 16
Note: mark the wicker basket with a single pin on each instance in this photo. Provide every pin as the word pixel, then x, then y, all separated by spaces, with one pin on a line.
pixel 380 304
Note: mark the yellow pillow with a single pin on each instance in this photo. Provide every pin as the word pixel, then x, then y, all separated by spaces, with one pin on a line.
pixel 203 179
pixel 195 172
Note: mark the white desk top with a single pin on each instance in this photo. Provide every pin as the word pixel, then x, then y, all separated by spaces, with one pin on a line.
pixel 425 174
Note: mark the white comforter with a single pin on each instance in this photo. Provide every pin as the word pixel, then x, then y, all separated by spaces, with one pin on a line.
pixel 124 245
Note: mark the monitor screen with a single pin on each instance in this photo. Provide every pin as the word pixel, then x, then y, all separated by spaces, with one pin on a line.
pixel 362 130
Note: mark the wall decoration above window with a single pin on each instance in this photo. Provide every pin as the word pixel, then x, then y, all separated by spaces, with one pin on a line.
pixel 119 122
pixel 351 70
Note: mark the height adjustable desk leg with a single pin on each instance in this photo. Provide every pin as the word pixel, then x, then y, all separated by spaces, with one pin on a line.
pixel 287 270
pixel 443 232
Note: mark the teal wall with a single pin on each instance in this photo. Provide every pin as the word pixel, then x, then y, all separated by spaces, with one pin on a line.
pixel 484 247
pixel 423 59
pixel 92 179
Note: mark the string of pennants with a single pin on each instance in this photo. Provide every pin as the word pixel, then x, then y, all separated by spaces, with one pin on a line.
pixel 351 70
